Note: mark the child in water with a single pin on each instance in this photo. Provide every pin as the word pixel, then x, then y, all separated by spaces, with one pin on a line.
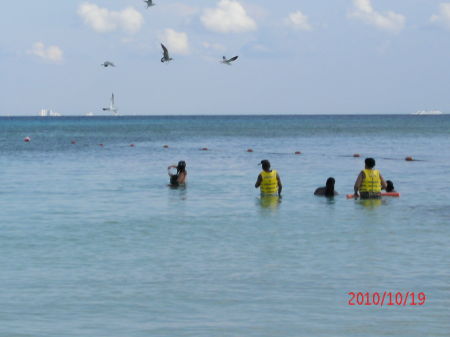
pixel 328 189
pixel 390 186
pixel 180 177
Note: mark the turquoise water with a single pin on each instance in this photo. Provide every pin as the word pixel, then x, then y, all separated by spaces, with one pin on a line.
pixel 94 243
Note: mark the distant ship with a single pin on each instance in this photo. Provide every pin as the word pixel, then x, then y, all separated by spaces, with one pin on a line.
pixel 112 107
pixel 89 114
pixel 48 113
pixel 428 112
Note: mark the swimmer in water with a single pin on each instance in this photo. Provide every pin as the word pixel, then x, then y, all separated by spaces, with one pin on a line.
pixel 369 182
pixel 390 186
pixel 268 180
pixel 180 177
pixel 328 189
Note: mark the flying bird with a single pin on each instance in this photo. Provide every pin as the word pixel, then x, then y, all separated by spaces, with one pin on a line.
pixel 149 3
pixel 107 64
pixel 228 61
pixel 166 57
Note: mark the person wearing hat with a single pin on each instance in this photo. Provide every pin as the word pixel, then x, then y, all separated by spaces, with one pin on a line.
pixel 180 177
pixel 268 180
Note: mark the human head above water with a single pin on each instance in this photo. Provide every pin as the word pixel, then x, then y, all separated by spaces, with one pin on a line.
pixel 265 164
pixel 389 186
pixel 370 163
pixel 181 166
pixel 329 187
pixel 330 182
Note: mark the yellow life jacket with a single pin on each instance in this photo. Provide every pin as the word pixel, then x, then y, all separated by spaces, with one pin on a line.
pixel 371 182
pixel 269 184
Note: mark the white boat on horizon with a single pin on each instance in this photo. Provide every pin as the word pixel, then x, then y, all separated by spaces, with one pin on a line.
pixel 112 107
pixel 428 112
pixel 49 113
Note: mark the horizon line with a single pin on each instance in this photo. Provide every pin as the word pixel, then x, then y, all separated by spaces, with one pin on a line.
pixel 230 115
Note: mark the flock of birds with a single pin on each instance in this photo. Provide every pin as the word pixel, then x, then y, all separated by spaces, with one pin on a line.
pixel 166 58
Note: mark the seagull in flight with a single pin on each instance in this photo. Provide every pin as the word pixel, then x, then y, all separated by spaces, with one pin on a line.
pixel 228 61
pixel 149 3
pixel 166 57
pixel 107 64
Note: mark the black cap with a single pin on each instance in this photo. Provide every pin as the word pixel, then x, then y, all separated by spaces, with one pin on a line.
pixel 265 163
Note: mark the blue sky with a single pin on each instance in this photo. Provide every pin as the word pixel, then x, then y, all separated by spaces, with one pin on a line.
pixel 295 57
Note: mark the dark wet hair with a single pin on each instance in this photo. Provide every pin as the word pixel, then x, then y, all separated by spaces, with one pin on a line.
pixel 389 186
pixel 329 187
pixel 370 162
pixel 181 167
pixel 265 164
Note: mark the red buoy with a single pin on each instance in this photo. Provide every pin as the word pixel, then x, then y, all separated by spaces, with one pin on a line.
pixel 204 149
pixel 356 155
pixel 409 158
pixel 132 145
pixel 166 146
pixel 250 150
pixel 27 139
pixel 297 152
pixel 101 145
pixel 73 142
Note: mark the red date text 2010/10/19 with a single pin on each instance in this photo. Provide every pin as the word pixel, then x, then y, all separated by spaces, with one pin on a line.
pixel 387 298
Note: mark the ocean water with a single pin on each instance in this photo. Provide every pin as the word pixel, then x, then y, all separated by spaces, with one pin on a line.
pixel 94 243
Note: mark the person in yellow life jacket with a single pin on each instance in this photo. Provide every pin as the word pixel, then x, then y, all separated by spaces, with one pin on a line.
pixel 268 180
pixel 369 182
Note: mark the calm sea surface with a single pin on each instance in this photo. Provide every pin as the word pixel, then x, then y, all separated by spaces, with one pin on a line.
pixel 94 243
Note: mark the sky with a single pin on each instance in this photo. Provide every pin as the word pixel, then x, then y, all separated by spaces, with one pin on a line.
pixel 295 57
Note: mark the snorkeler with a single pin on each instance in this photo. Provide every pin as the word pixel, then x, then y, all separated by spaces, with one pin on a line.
pixel 328 189
pixel 369 182
pixel 180 177
pixel 268 180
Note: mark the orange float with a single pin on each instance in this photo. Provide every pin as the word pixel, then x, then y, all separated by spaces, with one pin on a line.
pixel 385 194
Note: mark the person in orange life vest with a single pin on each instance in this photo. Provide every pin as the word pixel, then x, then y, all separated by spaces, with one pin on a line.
pixel 369 182
pixel 268 180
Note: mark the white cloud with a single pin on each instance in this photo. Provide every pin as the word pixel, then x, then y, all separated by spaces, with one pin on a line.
pixel 176 42
pixel 298 20
pixel 51 53
pixel 102 20
pixel 388 21
pixel 228 17
pixel 213 46
pixel 443 18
